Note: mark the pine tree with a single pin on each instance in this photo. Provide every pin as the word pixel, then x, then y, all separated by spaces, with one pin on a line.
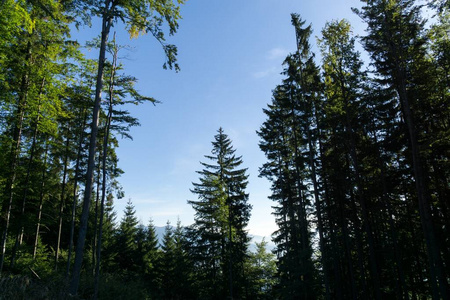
pixel 288 142
pixel 183 272
pixel 222 213
pixel 126 245
pixel 395 41
pixel 344 81
pixel 168 264
pixel 151 256
pixel 261 272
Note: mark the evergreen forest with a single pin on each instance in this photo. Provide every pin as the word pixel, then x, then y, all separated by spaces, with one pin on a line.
pixel 357 153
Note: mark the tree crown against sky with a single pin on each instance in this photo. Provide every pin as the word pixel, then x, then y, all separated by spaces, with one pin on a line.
pixel 357 162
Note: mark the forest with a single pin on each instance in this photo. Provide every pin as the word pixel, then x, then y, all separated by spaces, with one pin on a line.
pixel 357 155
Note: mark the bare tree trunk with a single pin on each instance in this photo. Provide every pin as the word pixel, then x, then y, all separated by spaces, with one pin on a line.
pixel 439 284
pixel 41 201
pixel 97 198
pixel 105 153
pixel 14 156
pixel 365 214
pixel 437 279
pixel 61 202
pixel 324 254
pixel 402 289
pixel 338 279
pixel 107 21
pixel 19 235
pixel 75 192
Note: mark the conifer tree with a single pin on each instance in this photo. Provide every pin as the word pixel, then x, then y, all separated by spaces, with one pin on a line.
pixel 288 142
pixel 344 81
pixel 126 244
pixel 261 272
pixel 222 213
pixel 395 41
pixel 151 257
pixel 168 264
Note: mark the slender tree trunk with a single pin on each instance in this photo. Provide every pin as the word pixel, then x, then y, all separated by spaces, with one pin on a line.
pixel 14 156
pixel 365 214
pixel 41 202
pixel 106 26
pixel 347 250
pixel 305 244
pixel 102 206
pixel 230 268
pixel 20 232
pixel 328 208
pixel 324 254
pixel 97 198
pixel 439 284
pixel 437 279
pixel 351 144
pixel 403 292
pixel 75 192
pixel 359 244
pixel 293 242
pixel 104 156
pixel 61 201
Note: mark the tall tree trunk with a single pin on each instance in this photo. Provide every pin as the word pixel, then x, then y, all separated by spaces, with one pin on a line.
pixel 61 201
pixel 97 199
pixel 362 201
pixel 328 208
pixel 402 289
pixel 347 249
pixel 230 268
pixel 20 232
pixel 75 191
pixel 439 284
pixel 324 254
pixel 104 156
pixel 41 202
pixel 437 279
pixel 107 20
pixel 14 156
pixel 302 218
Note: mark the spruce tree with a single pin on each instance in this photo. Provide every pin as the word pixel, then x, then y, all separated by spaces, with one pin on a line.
pixel 126 246
pixel 222 213
pixel 395 41
pixel 288 142
pixel 151 256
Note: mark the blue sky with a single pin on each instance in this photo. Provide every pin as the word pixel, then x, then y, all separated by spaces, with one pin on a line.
pixel 230 54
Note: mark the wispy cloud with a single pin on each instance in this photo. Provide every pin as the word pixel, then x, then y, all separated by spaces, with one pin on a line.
pixel 188 160
pixel 277 53
pixel 264 73
pixel 146 199
pixel 273 57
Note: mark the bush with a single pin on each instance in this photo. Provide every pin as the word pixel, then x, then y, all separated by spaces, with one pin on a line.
pixel 24 287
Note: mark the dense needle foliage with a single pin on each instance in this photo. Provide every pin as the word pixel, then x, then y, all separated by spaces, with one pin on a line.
pixel 374 191
pixel 357 154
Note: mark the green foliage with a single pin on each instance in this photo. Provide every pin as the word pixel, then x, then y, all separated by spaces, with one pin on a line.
pixel 358 161
pixel 350 157
pixel 286 139
pixel 222 212
pixel 29 287
pixel 116 286
pixel 261 268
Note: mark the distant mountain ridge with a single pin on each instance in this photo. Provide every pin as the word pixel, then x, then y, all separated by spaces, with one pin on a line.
pixel 255 239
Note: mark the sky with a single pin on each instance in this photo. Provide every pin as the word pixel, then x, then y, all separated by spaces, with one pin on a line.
pixel 230 54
